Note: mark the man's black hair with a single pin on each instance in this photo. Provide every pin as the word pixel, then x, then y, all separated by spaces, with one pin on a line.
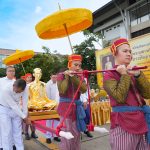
pixel 20 83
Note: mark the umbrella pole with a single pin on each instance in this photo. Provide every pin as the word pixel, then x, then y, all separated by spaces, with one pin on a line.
pixel 68 38
pixel 22 66
pixel 67 33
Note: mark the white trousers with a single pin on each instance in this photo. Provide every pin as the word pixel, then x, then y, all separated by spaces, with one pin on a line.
pixel 0 138
pixel 11 126
pixel 52 124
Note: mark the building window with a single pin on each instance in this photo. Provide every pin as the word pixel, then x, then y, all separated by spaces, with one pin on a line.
pixel 140 13
pixel 141 32
pixel 132 2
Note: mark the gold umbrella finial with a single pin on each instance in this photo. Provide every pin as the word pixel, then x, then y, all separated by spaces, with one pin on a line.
pixel 17 50
pixel 59 6
pixel 67 32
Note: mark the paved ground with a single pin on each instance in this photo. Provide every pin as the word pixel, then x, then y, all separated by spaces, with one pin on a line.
pixel 98 142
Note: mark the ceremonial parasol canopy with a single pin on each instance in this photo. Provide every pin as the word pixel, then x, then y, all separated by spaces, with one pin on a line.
pixel 75 19
pixel 63 23
pixel 18 57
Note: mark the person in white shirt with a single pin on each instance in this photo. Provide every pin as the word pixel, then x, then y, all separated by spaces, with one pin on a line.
pixel 10 78
pixel 29 78
pixel 11 114
pixel 53 94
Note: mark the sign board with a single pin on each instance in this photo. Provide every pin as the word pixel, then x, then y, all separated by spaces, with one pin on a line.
pixel 141 56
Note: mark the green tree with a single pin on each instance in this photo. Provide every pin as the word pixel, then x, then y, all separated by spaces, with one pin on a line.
pixel 87 50
pixel 46 50
pixel 2 72
pixel 94 37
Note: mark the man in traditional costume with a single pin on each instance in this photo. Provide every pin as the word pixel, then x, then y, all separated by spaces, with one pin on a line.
pixel 127 90
pixel 11 114
pixel 10 75
pixel 67 85
pixel 53 94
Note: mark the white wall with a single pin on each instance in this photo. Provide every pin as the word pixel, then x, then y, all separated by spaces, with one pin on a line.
pixel 114 32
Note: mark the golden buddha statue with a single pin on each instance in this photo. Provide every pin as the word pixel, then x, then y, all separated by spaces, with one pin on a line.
pixel 92 95
pixel 98 94
pixel 38 99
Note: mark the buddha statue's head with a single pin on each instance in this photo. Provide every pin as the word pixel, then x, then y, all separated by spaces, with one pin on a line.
pixel 92 93
pixel 37 73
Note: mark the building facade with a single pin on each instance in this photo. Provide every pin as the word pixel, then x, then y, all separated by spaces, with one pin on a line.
pixel 138 18
pixel 3 54
pixel 122 18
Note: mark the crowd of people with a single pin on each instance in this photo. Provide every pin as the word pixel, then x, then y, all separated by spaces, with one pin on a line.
pixel 126 88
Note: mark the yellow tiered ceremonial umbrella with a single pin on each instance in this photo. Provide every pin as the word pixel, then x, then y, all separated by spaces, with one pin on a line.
pixel 63 23
pixel 18 57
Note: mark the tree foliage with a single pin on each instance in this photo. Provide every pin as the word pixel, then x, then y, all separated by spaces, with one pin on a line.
pixel 48 62
pixel 87 50
pixel 53 62
pixel 2 72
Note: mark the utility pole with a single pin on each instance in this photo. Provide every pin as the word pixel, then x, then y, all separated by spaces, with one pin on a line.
pixel 123 16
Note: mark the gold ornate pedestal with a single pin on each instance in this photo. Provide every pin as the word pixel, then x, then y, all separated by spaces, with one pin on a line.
pixel 45 115
pixel 100 113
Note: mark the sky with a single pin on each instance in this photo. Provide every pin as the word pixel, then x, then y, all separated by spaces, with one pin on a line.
pixel 19 17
